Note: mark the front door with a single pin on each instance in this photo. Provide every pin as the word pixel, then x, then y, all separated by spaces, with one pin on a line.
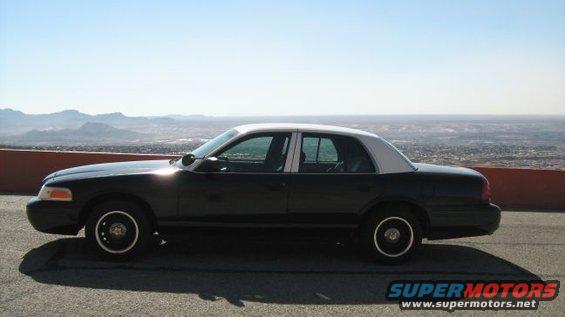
pixel 251 186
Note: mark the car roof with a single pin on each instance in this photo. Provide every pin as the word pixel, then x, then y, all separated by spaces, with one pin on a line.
pixel 302 127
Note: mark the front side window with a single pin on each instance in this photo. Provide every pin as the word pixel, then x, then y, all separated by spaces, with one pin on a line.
pixel 252 150
pixel 264 153
pixel 333 154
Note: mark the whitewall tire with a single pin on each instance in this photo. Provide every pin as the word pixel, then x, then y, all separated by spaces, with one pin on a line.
pixel 391 235
pixel 118 230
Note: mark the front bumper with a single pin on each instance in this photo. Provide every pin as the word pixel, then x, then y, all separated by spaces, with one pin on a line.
pixel 463 221
pixel 53 216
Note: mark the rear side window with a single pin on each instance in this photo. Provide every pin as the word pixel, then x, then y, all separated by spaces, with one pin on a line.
pixel 333 154
pixel 327 151
pixel 319 149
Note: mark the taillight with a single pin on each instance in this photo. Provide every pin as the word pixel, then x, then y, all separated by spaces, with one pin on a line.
pixel 485 192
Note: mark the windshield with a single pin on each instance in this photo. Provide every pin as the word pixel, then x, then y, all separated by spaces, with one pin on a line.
pixel 213 144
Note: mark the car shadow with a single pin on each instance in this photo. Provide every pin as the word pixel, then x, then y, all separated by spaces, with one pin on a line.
pixel 284 271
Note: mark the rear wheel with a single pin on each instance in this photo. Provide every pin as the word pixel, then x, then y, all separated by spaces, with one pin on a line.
pixel 118 230
pixel 391 235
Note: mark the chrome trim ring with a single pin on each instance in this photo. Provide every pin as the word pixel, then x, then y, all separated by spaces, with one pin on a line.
pixel 410 241
pixel 98 238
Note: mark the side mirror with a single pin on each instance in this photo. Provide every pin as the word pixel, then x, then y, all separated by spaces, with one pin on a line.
pixel 187 159
pixel 211 165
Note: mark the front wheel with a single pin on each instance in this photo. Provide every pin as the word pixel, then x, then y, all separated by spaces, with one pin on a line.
pixel 391 235
pixel 118 230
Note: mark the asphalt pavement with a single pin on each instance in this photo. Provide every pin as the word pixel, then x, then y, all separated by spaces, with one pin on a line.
pixel 43 274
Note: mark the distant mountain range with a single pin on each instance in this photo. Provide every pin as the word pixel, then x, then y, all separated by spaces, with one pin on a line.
pixel 71 127
pixel 13 122
pixel 90 132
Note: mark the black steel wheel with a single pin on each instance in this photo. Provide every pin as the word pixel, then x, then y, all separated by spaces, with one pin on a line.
pixel 118 230
pixel 391 235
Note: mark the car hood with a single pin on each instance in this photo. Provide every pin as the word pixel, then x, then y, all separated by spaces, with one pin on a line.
pixel 445 170
pixel 108 169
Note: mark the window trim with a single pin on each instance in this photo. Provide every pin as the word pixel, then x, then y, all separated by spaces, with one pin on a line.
pixel 290 156
pixel 296 157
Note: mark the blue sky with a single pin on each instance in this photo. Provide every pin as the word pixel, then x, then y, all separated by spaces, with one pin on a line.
pixel 283 57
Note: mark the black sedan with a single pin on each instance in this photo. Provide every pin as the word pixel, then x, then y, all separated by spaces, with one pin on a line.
pixel 269 176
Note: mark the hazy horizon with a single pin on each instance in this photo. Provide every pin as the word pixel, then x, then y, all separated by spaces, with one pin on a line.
pixel 257 58
pixel 3 107
pixel 512 140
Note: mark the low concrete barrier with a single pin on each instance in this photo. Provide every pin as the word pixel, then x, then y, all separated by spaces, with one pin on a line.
pixel 21 171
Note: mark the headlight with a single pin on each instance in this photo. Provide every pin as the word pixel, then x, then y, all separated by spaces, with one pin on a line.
pixel 55 193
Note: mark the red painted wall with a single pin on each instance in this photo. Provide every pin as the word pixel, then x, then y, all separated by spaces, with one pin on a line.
pixel 526 188
pixel 21 171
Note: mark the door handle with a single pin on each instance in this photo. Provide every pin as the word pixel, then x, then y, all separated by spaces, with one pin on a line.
pixel 276 187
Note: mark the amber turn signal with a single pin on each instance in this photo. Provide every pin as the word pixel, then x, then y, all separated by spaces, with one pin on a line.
pixel 55 193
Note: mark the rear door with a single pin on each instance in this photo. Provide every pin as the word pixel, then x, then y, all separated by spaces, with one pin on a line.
pixel 336 178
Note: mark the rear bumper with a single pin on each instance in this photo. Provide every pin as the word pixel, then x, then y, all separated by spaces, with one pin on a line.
pixel 52 216
pixel 463 221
